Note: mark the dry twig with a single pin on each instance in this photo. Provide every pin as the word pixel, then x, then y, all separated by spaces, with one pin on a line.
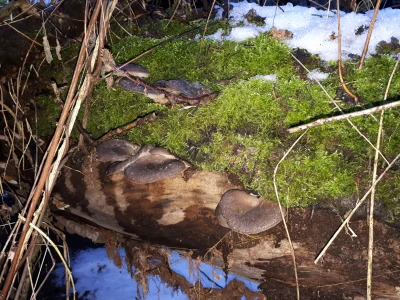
pixel 339 109
pixel 283 214
pixel 371 211
pixel 355 209
pixel 339 38
pixel 364 112
pixel 371 207
pixel 207 22
pixel 371 27
pixel 139 121
pixel 47 174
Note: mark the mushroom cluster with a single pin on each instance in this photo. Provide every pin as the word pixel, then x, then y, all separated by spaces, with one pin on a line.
pixel 158 91
pixel 247 214
pixel 115 150
pixel 147 164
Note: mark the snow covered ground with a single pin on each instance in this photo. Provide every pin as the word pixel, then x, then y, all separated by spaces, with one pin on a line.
pixel 94 272
pixel 312 28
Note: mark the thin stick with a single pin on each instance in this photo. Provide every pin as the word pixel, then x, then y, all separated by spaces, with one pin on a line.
pixel 51 154
pixel 166 42
pixel 364 112
pixel 173 14
pixel 122 27
pixel 371 207
pixel 208 20
pixel 216 244
pixel 391 77
pixel 371 27
pixel 139 121
pixel 371 212
pixel 354 210
pixel 283 214
pixel 339 38
pixel 338 108
pixel 49 272
pixel 57 251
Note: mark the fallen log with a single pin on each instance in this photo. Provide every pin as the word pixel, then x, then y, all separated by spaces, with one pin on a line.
pixel 178 212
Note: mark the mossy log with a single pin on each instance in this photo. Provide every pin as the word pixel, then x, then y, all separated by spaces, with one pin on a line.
pixel 174 211
pixel 179 212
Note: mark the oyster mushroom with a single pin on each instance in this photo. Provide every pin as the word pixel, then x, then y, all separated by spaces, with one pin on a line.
pixel 175 87
pixel 120 166
pixel 164 152
pixel 135 70
pixel 153 168
pixel 140 89
pixel 115 150
pixel 245 213
pixel 182 86
pixel 160 164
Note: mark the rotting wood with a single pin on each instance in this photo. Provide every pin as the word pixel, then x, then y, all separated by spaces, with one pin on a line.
pixel 179 213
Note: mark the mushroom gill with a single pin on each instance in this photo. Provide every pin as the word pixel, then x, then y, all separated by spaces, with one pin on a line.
pixel 245 213
pixel 115 150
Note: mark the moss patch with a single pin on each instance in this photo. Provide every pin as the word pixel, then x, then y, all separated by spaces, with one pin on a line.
pixel 244 130
pixel 48 112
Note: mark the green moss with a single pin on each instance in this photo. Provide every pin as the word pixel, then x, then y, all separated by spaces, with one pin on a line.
pixel 297 177
pixel 372 80
pixel 183 58
pixel 243 131
pixel 388 191
pixel 48 112
pixel 112 108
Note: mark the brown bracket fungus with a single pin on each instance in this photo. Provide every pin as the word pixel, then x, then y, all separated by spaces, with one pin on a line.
pixel 115 150
pixel 247 214
pixel 163 152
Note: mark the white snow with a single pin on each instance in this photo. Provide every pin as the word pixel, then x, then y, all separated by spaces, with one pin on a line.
pixel 312 28
pixel 270 77
pixel 240 34
pixel 316 75
pixel 96 275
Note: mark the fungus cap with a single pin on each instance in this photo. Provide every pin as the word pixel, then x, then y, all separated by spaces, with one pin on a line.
pixel 182 86
pixel 119 166
pixel 136 70
pixel 135 87
pixel 247 214
pixel 115 150
pixel 153 168
pixel 167 155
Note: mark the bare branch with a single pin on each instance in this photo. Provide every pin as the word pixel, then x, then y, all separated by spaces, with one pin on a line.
pixel 371 27
pixel 323 121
